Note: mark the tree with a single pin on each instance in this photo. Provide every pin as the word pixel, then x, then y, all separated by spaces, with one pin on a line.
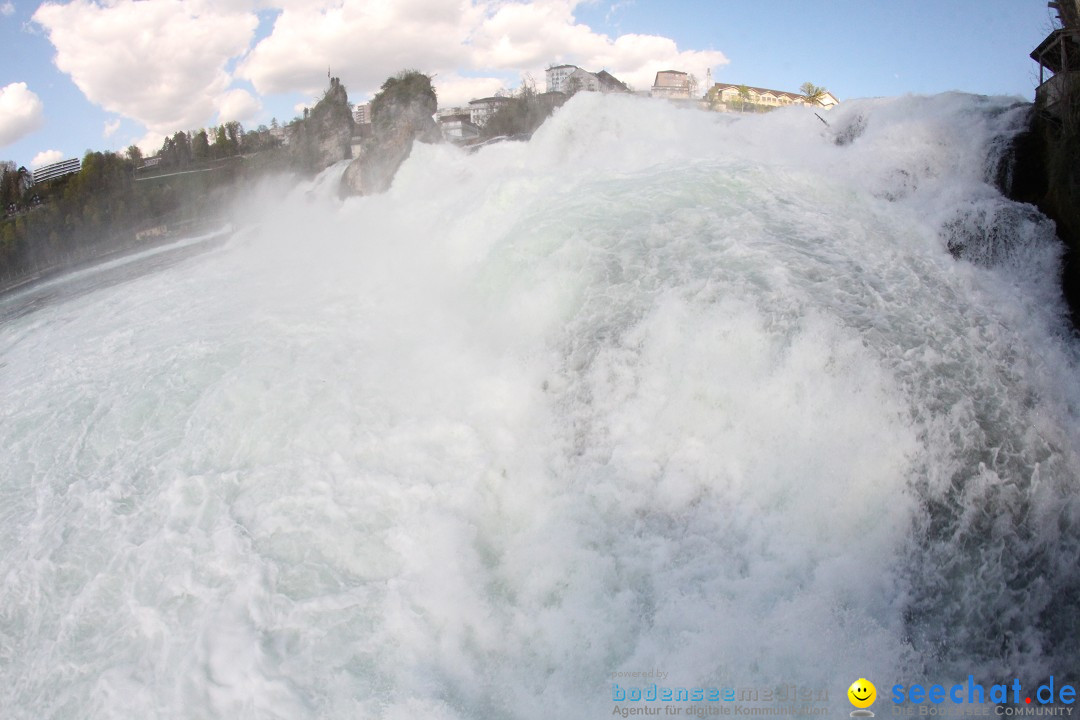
pixel 234 131
pixel 181 149
pixel 220 148
pixel 9 194
pixel 200 146
pixel 744 97
pixel 135 156
pixel 523 114
pixel 713 97
pixel 168 153
pixel 812 93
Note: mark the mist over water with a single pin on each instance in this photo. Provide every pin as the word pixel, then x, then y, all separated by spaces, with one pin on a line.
pixel 659 389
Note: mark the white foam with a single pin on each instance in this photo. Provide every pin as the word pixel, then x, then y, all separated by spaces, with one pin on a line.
pixel 657 389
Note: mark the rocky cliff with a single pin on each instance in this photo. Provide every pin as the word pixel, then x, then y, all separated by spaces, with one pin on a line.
pixel 401 115
pixel 1046 173
pixel 323 137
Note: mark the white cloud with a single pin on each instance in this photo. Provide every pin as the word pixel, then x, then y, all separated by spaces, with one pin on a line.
pixel 7 9
pixel 237 105
pixel 21 112
pixel 454 90
pixel 46 157
pixel 166 63
pixel 363 42
pixel 111 127
pixel 160 62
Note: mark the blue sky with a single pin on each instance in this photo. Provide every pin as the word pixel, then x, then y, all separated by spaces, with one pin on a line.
pixel 103 74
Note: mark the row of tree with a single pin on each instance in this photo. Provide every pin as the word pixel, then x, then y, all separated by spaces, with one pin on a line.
pixel 101 207
pixel 114 196
pixel 185 149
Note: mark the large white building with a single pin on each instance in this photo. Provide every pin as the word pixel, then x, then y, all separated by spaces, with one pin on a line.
pixel 55 170
pixel 362 114
pixel 568 79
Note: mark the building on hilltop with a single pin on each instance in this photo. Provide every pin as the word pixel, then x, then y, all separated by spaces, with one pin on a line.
pixel 57 169
pixel 744 98
pixel 458 127
pixel 481 110
pixel 362 114
pixel 1059 53
pixel 609 83
pixel 569 79
pixel 674 85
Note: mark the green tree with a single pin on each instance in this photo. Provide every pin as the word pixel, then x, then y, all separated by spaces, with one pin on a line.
pixel 522 115
pixel 135 156
pixel 234 131
pixel 713 97
pixel 812 93
pixel 183 148
pixel 200 146
pixel 8 185
pixel 220 147
pixel 744 97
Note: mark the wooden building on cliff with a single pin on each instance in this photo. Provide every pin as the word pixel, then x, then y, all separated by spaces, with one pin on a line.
pixel 1059 54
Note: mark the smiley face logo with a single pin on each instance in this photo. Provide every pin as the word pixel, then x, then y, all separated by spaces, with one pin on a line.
pixel 862 693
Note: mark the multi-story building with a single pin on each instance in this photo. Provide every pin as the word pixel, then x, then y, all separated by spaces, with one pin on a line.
pixel 457 127
pixel 57 169
pixel 673 85
pixel 569 79
pixel 362 113
pixel 481 110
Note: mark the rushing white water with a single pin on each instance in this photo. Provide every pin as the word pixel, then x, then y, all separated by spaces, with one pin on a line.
pixel 659 389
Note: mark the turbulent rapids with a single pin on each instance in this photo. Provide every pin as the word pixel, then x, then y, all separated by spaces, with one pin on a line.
pixel 745 400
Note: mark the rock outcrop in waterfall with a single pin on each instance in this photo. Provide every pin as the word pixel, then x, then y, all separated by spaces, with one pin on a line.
pixel 323 137
pixel 401 114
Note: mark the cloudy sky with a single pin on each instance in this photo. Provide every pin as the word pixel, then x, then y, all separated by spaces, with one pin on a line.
pixel 103 74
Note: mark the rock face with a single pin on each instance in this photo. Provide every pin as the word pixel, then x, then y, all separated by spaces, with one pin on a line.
pixel 1046 173
pixel 323 137
pixel 401 115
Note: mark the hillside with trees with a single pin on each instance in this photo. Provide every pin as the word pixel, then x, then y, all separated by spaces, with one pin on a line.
pixel 121 201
